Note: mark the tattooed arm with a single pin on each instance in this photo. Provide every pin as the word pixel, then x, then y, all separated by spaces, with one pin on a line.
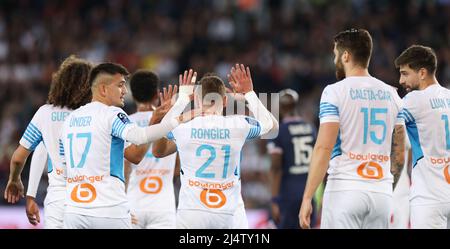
pixel 397 152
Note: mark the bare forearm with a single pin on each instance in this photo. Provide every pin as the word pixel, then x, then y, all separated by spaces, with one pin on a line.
pixel 397 153
pixel 15 168
pixel 317 171
pixel 127 171
pixel 163 147
pixel 17 162
pixel 135 153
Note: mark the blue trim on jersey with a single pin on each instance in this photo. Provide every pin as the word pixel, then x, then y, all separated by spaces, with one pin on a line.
pixel 337 147
pixel 170 136
pixel 255 130
pixel 32 135
pixel 116 158
pixel 413 135
pixel 117 128
pixel 401 114
pixel 61 148
pixel 49 164
pixel 408 116
pixel 327 109
pixel 237 170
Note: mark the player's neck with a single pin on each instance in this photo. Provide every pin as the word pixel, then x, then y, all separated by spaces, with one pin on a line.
pixel 356 71
pixel 211 111
pixel 428 82
pixel 96 98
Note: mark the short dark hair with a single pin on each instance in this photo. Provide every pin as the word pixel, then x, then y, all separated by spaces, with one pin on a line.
pixel 107 68
pixel 358 43
pixel 70 87
pixel 144 85
pixel 212 84
pixel 417 57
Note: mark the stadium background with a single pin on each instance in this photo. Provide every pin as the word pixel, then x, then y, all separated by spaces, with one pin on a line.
pixel 286 43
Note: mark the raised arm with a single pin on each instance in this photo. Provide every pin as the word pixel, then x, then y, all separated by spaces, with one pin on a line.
pixel 140 135
pixel 135 153
pixel 241 81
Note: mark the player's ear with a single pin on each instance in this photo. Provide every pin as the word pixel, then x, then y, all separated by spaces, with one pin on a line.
pixel 102 89
pixel 423 73
pixel 345 56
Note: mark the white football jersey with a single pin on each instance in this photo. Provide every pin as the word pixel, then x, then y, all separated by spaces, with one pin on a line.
pixel 210 149
pixel 367 110
pixel 150 186
pixel 94 153
pixel 46 126
pixel 427 117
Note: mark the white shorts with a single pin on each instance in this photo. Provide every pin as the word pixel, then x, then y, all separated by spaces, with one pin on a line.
pixel 155 220
pixel 54 214
pixel 240 218
pixel 79 221
pixel 355 210
pixel 430 216
pixel 199 219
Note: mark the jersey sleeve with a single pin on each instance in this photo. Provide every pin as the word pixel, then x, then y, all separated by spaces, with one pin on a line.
pixel 406 112
pixel 399 103
pixel 33 133
pixel 329 105
pixel 120 123
pixel 248 126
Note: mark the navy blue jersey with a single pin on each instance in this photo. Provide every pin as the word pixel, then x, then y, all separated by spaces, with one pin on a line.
pixel 295 142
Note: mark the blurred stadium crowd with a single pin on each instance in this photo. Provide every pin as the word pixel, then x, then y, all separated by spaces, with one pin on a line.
pixel 286 43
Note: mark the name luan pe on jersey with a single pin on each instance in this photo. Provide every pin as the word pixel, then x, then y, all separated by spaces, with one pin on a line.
pixel 437 103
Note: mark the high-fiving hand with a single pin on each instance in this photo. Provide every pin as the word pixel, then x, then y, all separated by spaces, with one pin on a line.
pixel 166 103
pixel 240 79
pixel 187 81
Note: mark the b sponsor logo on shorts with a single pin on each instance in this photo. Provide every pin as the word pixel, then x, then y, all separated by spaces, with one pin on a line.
pixel 151 185
pixel 370 170
pixel 213 198
pixel 84 193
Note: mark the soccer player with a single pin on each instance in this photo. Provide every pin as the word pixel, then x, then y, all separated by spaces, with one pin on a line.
pixel 426 113
pixel 69 90
pixel 150 188
pixel 290 156
pixel 93 139
pixel 209 148
pixel 357 119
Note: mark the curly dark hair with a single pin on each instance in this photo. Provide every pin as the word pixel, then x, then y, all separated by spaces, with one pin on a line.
pixel 70 87
pixel 144 85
